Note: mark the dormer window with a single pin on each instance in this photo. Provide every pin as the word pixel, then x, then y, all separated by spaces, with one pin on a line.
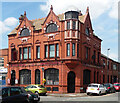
pixel 87 31
pixel 25 32
pixel 51 28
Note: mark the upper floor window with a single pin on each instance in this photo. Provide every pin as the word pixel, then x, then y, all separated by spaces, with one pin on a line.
pixel 68 25
pixel 52 50
pixel 98 57
pixel 94 56
pixel 87 50
pixel 104 63
pixel 51 28
pixel 114 67
pixel 13 54
pixel 38 52
pixel 57 50
pixel 29 48
pixel 20 53
pixel 25 32
pixel 73 49
pixel 25 53
pixel 74 25
pixel 87 31
pixel 77 50
pixel 46 51
pixel 68 49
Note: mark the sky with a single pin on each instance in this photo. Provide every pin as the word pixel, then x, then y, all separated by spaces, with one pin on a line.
pixel 103 14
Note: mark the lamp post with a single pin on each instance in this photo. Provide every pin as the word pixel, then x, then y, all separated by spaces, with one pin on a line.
pixel 107 64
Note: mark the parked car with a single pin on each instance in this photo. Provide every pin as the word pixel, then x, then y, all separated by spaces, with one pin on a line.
pixel 95 89
pixel 37 88
pixel 110 88
pixel 17 95
pixel 117 86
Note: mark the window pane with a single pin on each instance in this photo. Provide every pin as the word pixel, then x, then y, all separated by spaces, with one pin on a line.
pixel 51 28
pixel 38 51
pixel 29 52
pixel 52 50
pixel 68 49
pixel 73 49
pixel 86 52
pixel 25 32
pixel 20 53
pixel 74 24
pixel 57 50
pixel 77 50
pixel 25 53
pixel 52 76
pixel 68 25
pixel 87 31
pixel 46 51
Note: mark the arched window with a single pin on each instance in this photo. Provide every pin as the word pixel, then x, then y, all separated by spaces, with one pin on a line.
pixel 25 76
pixel 52 76
pixel 51 28
pixel 87 31
pixel 25 32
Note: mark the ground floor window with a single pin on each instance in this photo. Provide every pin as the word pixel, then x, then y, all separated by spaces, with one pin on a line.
pixel 52 76
pixel 37 76
pixel 13 77
pixel 25 76
pixel 86 77
pixel 114 79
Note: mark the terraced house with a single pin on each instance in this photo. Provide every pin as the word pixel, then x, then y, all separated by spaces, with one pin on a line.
pixel 63 49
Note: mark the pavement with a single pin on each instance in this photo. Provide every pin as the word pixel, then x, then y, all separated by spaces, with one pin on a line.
pixel 67 94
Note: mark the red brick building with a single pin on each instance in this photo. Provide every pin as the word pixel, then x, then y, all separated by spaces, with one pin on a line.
pixel 60 48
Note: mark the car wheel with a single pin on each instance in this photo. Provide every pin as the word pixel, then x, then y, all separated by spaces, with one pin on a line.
pixel 36 93
pixel 88 93
pixel 99 93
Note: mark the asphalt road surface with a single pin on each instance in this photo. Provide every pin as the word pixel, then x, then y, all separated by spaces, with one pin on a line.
pixel 112 98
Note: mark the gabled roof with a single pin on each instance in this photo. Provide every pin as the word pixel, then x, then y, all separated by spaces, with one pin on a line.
pixel 37 23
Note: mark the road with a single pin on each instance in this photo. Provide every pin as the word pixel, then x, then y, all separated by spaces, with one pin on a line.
pixel 108 97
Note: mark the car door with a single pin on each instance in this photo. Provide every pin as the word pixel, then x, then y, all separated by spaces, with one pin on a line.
pixel 16 95
pixel 5 95
pixel 34 89
pixel 100 88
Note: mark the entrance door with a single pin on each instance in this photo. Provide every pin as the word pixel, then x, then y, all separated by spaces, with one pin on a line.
pixel 71 82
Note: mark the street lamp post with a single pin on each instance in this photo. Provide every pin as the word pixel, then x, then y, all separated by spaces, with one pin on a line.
pixel 107 64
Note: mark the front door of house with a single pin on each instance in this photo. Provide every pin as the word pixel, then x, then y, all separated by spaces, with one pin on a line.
pixel 71 82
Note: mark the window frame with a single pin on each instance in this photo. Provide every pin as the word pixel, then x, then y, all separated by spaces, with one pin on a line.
pixel 52 27
pixel 68 49
pixel 25 53
pixel 51 51
pixel 73 49
pixel 37 52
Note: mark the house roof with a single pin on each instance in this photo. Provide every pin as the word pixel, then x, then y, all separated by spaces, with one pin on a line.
pixel 37 23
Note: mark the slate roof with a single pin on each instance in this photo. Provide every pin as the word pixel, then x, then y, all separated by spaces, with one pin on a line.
pixel 37 23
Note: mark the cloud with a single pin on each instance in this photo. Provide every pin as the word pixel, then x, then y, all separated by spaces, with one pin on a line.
pixel 7 25
pixel 11 21
pixel 114 11
pixel 97 7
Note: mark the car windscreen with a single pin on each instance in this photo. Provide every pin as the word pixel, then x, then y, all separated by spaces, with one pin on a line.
pixel 116 84
pixel 106 85
pixel 91 85
pixel 41 86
